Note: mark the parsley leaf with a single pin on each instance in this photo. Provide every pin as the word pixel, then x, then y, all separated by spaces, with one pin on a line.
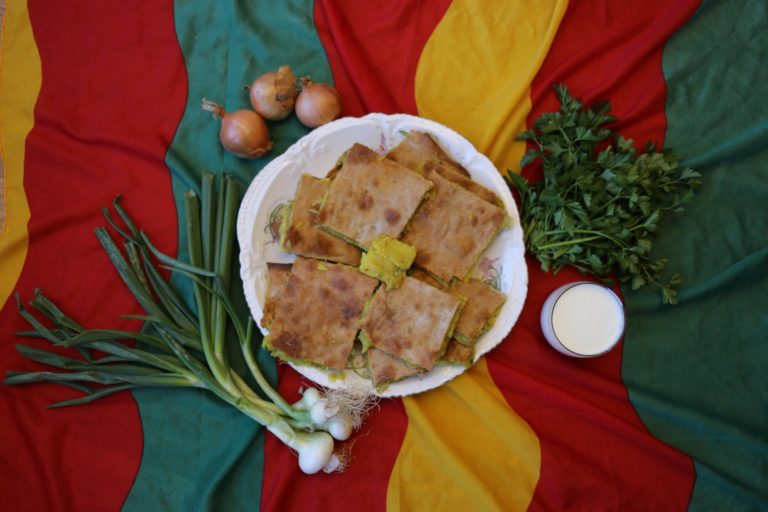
pixel 600 202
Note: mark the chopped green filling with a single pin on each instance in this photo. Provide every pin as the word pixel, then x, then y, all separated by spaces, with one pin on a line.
pixel 454 357
pixel 285 223
pixel 365 340
pixel 339 234
pixel 507 223
pixel 488 324
pixel 387 260
pixel 464 340
pixel 454 323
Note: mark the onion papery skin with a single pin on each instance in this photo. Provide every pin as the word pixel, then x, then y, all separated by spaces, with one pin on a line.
pixel 317 104
pixel 273 94
pixel 245 134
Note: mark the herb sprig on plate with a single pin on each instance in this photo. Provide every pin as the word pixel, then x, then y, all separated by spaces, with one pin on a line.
pixel 600 201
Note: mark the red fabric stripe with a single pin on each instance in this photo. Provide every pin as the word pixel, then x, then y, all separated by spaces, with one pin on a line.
pixel 373 50
pixel 374 47
pixel 373 451
pixel 93 107
pixel 596 453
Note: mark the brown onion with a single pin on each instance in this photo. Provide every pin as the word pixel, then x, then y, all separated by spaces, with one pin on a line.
pixel 317 104
pixel 273 94
pixel 243 132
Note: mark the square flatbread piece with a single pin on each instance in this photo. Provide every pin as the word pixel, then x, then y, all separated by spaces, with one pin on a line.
pixel 302 235
pixel 456 353
pixel 418 148
pixel 277 278
pixel 452 229
pixel 478 314
pixel 386 368
pixel 483 302
pixel 371 196
pixel 318 315
pixel 412 322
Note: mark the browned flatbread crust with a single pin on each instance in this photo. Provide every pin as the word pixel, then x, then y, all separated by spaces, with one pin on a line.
pixel 418 148
pixel 483 301
pixel 277 277
pixel 452 228
pixel 426 277
pixel 412 322
pixel 303 236
pixel 386 368
pixel 371 196
pixel 337 166
pixel 466 182
pixel 456 353
pixel 319 313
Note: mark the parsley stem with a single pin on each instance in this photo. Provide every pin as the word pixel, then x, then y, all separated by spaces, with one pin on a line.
pixel 596 235
pixel 567 242
pixel 650 276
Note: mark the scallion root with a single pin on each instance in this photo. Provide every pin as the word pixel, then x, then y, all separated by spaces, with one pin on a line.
pixel 357 403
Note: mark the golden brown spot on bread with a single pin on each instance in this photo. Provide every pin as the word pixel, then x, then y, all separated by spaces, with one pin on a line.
pixel 293 236
pixel 320 245
pixel 389 314
pixel 350 311
pixel 391 215
pixel 388 372
pixel 365 202
pixel 289 290
pixel 287 343
pixel 466 246
pixel 339 283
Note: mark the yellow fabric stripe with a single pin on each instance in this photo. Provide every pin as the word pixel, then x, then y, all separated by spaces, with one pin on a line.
pixel 475 72
pixel 465 449
pixel 20 77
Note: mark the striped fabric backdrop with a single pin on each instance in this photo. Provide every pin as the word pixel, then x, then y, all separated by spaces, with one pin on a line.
pixel 103 98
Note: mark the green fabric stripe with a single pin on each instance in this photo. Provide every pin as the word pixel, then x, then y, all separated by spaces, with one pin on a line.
pixel 696 372
pixel 189 435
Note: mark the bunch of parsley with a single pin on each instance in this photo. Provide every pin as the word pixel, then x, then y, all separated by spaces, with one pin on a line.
pixel 600 202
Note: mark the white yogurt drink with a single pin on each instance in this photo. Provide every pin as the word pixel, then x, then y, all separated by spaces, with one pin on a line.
pixel 583 319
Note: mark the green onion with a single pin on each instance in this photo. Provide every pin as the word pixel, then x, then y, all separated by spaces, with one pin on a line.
pixel 178 347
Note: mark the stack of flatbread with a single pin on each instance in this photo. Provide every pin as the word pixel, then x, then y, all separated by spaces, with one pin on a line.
pixel 323 310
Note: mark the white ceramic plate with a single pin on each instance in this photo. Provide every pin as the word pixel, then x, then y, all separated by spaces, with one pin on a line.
pixel 502 264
